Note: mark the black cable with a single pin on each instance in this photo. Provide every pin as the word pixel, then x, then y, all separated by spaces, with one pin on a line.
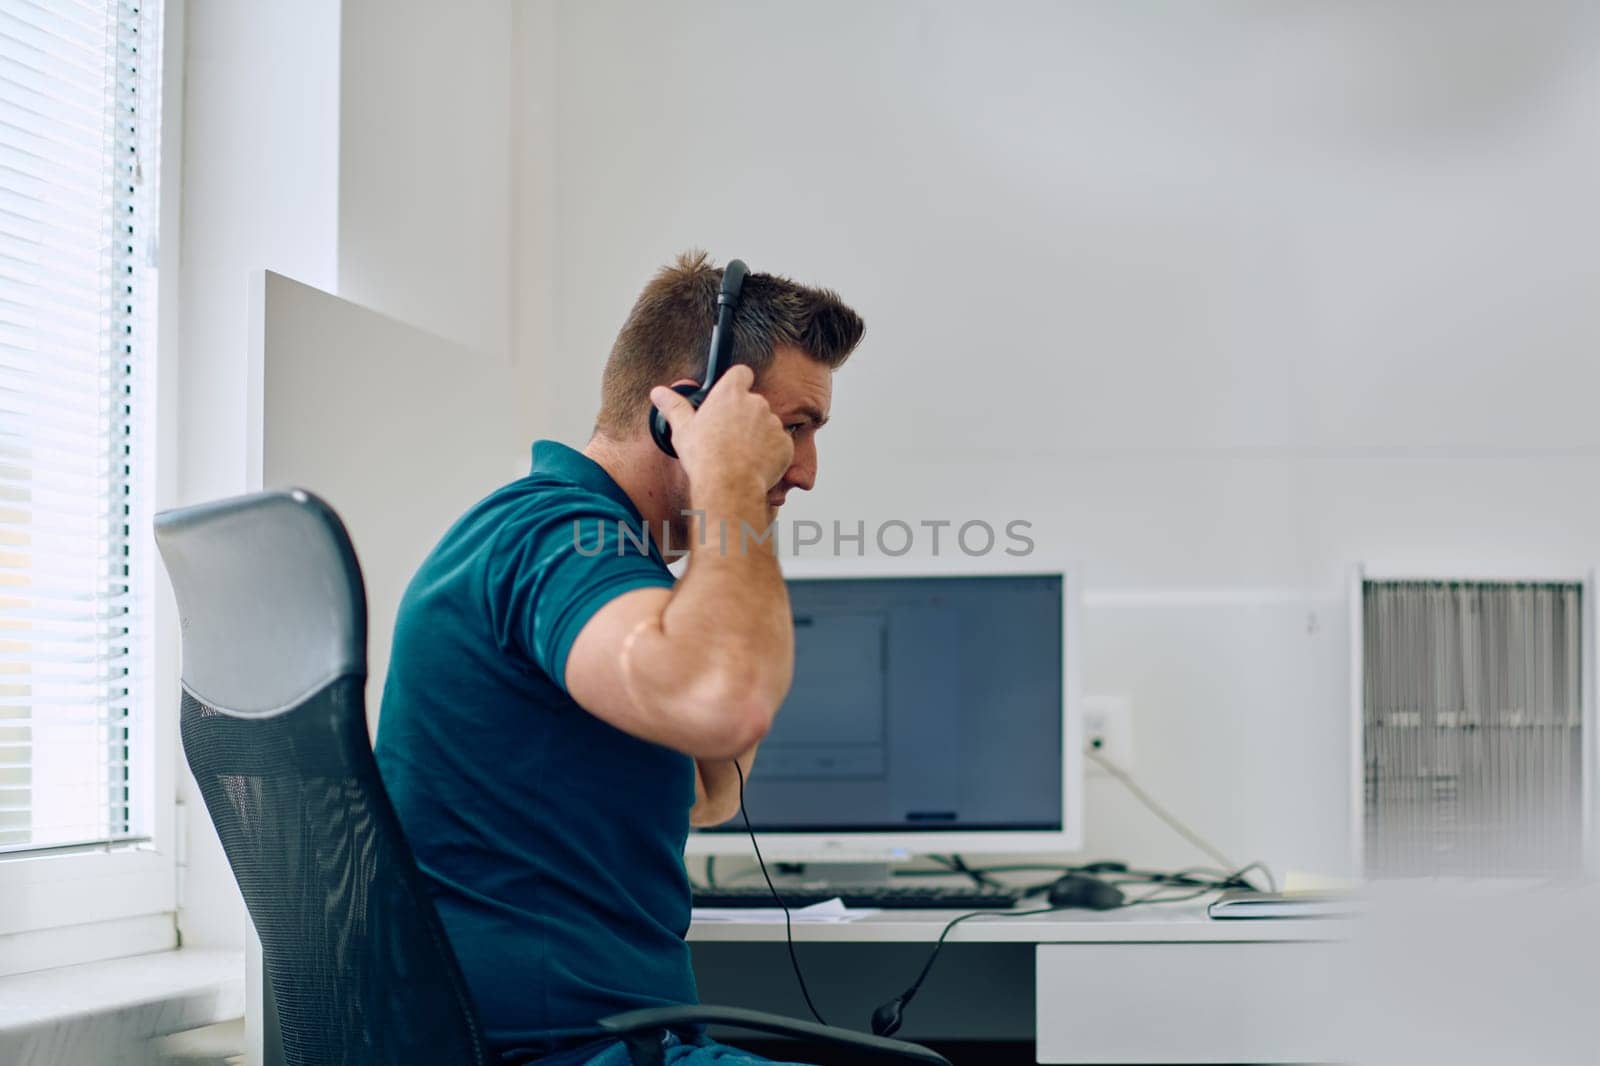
pixel 985 870
pixel 711 869
pixel 1227 880
pixel 1098 869
pixel 886 1019
pixel 951 924
pixel 1157 897
pixel 1190 878
pixel 1214 877
pixel 1238 875
pixel 980 878
pixel 788 927
pixel 1190 874
pixel 1111 873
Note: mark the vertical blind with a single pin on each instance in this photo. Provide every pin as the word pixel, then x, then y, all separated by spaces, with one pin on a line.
pixel 1473 728
pixel 78 145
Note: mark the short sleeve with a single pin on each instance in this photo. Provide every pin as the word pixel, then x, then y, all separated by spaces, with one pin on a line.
pixel 554 566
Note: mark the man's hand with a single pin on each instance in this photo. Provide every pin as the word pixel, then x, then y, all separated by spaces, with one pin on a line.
pixel 733 440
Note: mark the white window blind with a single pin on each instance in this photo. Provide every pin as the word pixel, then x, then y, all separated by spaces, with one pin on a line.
pixel 79 105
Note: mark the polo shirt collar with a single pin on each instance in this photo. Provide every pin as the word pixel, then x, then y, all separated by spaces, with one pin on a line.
pixel 556 460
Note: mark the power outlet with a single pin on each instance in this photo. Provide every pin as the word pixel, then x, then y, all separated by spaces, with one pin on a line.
pixel 1108 730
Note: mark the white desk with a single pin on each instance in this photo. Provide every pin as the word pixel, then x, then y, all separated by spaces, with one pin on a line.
pixel 1150 984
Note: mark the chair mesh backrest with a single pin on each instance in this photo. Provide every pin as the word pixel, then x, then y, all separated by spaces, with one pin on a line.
pixel 353 948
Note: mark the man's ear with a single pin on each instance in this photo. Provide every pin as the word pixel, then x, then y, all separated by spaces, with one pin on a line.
pixel 683 381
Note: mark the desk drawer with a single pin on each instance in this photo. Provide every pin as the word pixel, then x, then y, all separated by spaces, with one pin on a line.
pixel 1189 1002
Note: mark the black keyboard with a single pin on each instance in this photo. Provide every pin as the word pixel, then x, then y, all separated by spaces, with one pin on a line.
pixel 899 897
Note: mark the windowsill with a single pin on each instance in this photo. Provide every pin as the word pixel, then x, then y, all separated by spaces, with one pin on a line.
pixel 95 1011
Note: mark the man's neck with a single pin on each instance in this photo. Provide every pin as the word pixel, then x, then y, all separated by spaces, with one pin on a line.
pixel 639 473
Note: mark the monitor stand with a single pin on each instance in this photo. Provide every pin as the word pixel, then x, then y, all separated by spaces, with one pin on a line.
pixel 836 873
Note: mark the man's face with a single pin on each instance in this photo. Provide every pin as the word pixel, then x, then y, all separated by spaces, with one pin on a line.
pixel 800 391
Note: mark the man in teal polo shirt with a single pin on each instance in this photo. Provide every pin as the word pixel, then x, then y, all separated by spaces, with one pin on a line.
pixel 559 710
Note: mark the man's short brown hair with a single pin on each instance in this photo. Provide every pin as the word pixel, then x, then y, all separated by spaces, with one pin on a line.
pixel 668 334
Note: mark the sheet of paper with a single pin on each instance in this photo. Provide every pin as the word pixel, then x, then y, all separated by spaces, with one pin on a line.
pixel 827 912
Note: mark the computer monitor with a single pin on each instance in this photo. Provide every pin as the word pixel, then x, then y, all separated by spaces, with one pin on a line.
pixel 932 712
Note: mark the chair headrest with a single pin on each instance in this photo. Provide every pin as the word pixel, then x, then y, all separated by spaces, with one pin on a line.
pixel 271 605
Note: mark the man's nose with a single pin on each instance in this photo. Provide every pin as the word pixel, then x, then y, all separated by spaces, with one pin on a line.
pixel 802 473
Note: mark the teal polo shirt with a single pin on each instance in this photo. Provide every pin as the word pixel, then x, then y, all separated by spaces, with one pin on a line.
pixel 552 842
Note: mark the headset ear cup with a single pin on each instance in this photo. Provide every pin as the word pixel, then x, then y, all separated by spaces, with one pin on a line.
pixel 661 429
pixel 661 433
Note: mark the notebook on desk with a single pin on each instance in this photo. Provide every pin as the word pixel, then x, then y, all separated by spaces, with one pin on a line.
pixel 899 897
pixel 1246 903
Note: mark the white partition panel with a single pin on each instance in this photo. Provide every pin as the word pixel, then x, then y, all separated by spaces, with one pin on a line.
pixel 399 430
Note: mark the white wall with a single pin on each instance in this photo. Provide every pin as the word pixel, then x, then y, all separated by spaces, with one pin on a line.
pixel 425 165
pixel 348 145
pixel 259 188
pixel 1223 298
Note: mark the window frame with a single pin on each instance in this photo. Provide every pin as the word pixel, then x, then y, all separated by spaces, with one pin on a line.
pixel 97 902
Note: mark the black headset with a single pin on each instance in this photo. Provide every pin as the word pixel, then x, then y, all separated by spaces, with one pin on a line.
pixel 718 360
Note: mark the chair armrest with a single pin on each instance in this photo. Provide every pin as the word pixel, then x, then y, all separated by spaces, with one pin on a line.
pixel 762 1022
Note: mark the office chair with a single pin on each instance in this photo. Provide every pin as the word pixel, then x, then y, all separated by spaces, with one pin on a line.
pixel 273 617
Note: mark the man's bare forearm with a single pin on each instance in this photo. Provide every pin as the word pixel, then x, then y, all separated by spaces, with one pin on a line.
pixel 716 663
pixel 716 788
pixel 733 600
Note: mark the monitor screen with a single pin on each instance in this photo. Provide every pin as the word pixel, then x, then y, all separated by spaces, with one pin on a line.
pixel 922 704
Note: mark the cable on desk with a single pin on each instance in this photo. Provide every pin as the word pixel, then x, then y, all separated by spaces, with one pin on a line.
pixel 1008 868
pixel 1157 897
pixel 980 877
pixel 1237 878
pixel 1159 811
pixel 886 1020
pixel 1195 877
pixel 1115 873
